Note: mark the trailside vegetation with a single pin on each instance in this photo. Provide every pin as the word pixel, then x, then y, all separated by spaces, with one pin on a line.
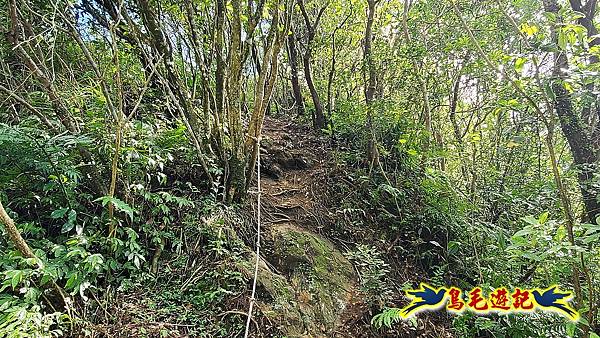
pixel 455 143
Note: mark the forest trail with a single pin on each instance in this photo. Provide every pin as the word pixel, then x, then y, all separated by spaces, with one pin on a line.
pixel 128 199
pixel 293 161
pixel 302 252
pixel 307 288
pixel 323 281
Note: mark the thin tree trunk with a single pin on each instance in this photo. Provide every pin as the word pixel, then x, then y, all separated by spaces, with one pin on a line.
pixel 548 122
pixel 15 38
pixel 332 69
pixel 587 21
pixel 370 82
pixel 219 115
pixel 175 84
pixel 264 88
pixel 421 77
pixel 58 105
pixel 15 237
pixel 293 59
pixel 330 79
pixel 318 116
pixel 237 162
pixel 29 107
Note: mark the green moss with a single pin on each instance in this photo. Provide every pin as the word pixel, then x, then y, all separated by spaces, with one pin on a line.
pixel 309 287
pixel 317 270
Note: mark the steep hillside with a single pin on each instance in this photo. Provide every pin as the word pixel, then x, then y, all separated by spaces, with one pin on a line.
pixel 307 243
pixel 309 285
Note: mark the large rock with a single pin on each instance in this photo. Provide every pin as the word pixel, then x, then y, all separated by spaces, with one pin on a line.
pixel 313 286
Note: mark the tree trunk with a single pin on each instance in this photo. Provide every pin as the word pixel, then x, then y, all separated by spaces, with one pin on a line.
pixel 452 113
pixel 570 125
pixel 330 102
pixel 587 21
pixel 573 128
pixel 175 85
pixel 318 116
pixel 421 77
pixel 64 115
pixel 293 59
pixel 263 90
pixel 330 79
pixel 237 162
pixel 581 148
pixel 15 237
pixel 37 68
pixel 370 78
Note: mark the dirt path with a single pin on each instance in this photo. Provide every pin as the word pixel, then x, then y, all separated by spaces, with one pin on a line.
pixel 292 163
pixel 323 280
pixel 297 169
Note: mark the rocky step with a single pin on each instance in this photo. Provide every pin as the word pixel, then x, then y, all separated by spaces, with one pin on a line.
pixel 306 284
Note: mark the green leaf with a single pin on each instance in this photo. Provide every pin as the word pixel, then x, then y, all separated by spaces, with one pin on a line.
pixel 570 328
pixel 568 87
pixel 70 223
pixel 561 232
pixel 59 213
pixel 453 247
pixel 517 242
pixel 436 244
pixel 591 228
pixel 72 281
pixel 543 218
pixel 523 232
pixel 15 276
pixel 118 204
pixel 530 30
pixel 68 226
pixel 532 256
pixel 548 90
pixel 519 63
pixel 592 238
pixel 550 16
pixel 531 220
pixel 562 40
pixel 512 144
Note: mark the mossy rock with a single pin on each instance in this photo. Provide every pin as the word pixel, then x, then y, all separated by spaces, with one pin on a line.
pixel 321 277
pixel 309 286
pixel 282 308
